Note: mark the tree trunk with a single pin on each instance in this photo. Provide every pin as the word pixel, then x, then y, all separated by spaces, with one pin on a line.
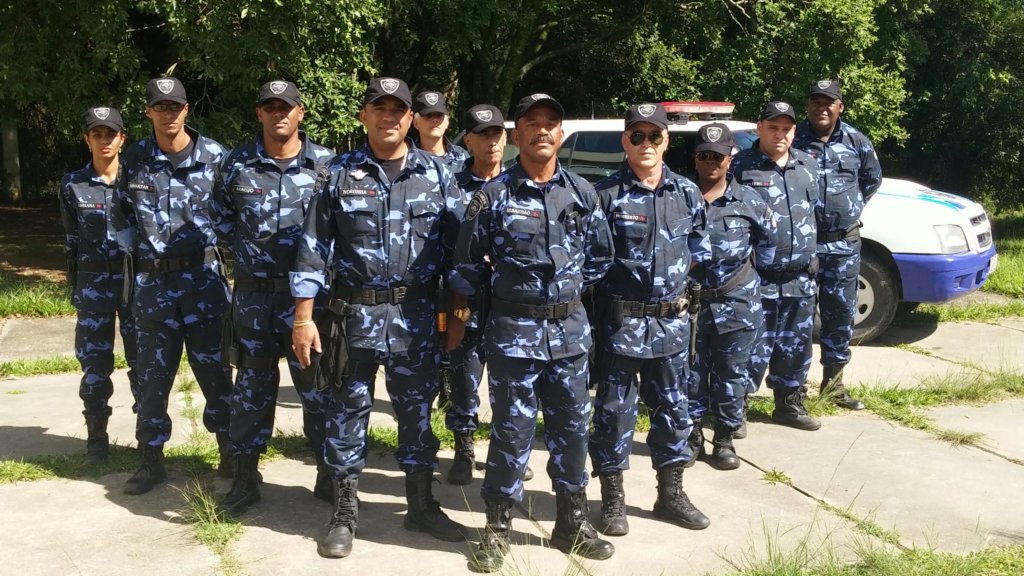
pixel 12 167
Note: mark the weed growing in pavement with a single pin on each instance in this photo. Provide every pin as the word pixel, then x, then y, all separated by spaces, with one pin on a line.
pixel 211 526
pixel 33 297
pixel 15 392
pixel 52 365
pixel 912 348
pixel 864 525
pixel 69 466
pixel 774 476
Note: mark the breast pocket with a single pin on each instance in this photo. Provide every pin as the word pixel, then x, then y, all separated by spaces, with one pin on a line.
pixel 357 217
pixel 250 214
pixel 522 232
pixel 93 223
pixel 629 233
pixel 424 220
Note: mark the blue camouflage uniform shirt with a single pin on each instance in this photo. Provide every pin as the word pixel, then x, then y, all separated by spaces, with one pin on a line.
pixel 454 156
pixel 546 244
pixel 849 174
pixel 657 235
pixel 469 183
pixel 791 192
pixel 385 234
pixel 163 211
pixel 741 226
pixel 260 210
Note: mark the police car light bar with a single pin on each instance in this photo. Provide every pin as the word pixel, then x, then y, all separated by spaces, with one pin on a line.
pixel 716 108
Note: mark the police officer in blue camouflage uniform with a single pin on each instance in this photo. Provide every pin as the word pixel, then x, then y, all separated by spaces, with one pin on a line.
pixel 787 180
pixel 95 272
pixel 849 174
pixel 742 232
pixel 391 212
pixel 431 118
pixel 485 139
pixel 259 208
pixel 163 215
pixel 543 232
pixel 657 220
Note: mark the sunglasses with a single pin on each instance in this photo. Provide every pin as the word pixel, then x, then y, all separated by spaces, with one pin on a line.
pixel 655 137
pixel 709 156
pixel 167 107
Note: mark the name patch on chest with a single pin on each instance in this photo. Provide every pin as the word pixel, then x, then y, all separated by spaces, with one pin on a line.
pixel 141 187
pixel 630 217
pixel 356 192
pixel 512 210
pixel 760 184
pixel 89 206
pixel 247 190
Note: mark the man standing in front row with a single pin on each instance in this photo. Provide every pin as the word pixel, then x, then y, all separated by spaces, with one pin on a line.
pixel 848 174
pixel 787 179
pixel 657 220
pixel 260 206
pixel 544 233
pixel 387 208
pixel 163 217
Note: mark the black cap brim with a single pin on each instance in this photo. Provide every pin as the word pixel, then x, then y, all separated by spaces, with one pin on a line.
pixel 542 102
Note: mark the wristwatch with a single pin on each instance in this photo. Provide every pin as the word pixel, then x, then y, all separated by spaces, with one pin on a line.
pixel 461 313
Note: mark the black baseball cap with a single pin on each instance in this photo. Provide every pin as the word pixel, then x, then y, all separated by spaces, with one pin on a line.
pixel 483 116
pixel 651 113
pixel 380 87
pixel 281 90
pixel 429 102
pixel 776 109
pixel 828 88
pixel 103 116
pixel 537 99
pixel 716 137
pixel 165 89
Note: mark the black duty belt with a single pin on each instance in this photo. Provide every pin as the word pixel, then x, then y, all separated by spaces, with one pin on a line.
pixel 634 309
pixel 851 233
pixel 373 296
pixel 559 311
pixel 739 277
pixel 113 266
pixel 176 264
pixel 277 285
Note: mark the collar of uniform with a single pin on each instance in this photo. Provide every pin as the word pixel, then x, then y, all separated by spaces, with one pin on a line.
pixel 306 152
pixel 415 159
pixel 668 179
pixel 804 132
pixel 517 176
pixel 767 162
pixel 732 188
pixel 466 176
pixel 200 155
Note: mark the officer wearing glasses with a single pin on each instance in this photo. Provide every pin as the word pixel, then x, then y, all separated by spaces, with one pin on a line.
pixel 163 217
pixel 740 225
pixel 657 221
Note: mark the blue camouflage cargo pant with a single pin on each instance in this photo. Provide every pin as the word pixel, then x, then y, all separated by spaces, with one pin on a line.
pixel 783 346
pixel 517 387
pixel 412 382
pixel 837 303
pixel 254 398
pixel 97 300
pixel 662 384
pixel 720 378
pixel 467 362
pixel 160 347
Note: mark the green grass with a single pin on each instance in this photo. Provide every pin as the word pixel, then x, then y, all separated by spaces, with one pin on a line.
pixel 33 297
pixel 774 477
pixel 52 365
pixel 864 525
pixel 930 314
pixel 912 348
pixel 15 392
pixel 1008 231
pixel 211 526
pixel 291 445
pixel 69 466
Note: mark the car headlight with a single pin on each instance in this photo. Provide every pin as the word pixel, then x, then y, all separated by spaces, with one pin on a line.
pixel 951 239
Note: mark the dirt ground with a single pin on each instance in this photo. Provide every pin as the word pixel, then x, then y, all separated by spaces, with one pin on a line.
pixel 32 242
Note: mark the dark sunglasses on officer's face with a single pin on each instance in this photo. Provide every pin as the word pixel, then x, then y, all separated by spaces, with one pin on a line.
pixel 655 137
pixel 167 107
pixel 709 156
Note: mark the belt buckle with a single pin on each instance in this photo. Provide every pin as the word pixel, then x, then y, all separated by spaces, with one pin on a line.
pixel 636 309
pixel 398 295
pixel 681 305
pixel 560 310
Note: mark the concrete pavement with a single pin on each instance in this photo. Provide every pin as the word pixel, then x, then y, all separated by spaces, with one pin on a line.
pixel 921 489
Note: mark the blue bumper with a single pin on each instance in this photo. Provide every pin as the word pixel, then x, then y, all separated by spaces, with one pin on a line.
pixel 940 278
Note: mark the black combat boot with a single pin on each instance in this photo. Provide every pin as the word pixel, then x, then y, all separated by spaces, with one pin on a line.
pixel 151 473
pixel 490 553
pixel 573 533
pixel 337 542
pixel 97 444
pixel 741 433
pixel 245 489
pixel 461 472
pixel 613 505
pixel 723 455
pixel 673 504
pixel 226 466
pixel 323 488
pixel 696 442
pixel 833 389
pixel 425 514
pixel 790 411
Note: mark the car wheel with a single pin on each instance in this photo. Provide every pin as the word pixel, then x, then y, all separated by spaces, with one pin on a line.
pixel 877 299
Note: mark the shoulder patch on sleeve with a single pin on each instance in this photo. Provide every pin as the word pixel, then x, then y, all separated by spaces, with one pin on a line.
pixel 476 204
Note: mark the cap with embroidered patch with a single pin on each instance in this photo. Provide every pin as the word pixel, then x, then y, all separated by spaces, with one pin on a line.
pixel 165 90
pixel 282 90
pixel 776 109
pixel 650 113
pixel 103 116
pixel 481 117
pixel 381 87
pixel 537 99
pixel 716 137
pixel 829 88
pixel 429 102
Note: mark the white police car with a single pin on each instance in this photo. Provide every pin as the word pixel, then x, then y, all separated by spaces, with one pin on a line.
pixel 919 245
